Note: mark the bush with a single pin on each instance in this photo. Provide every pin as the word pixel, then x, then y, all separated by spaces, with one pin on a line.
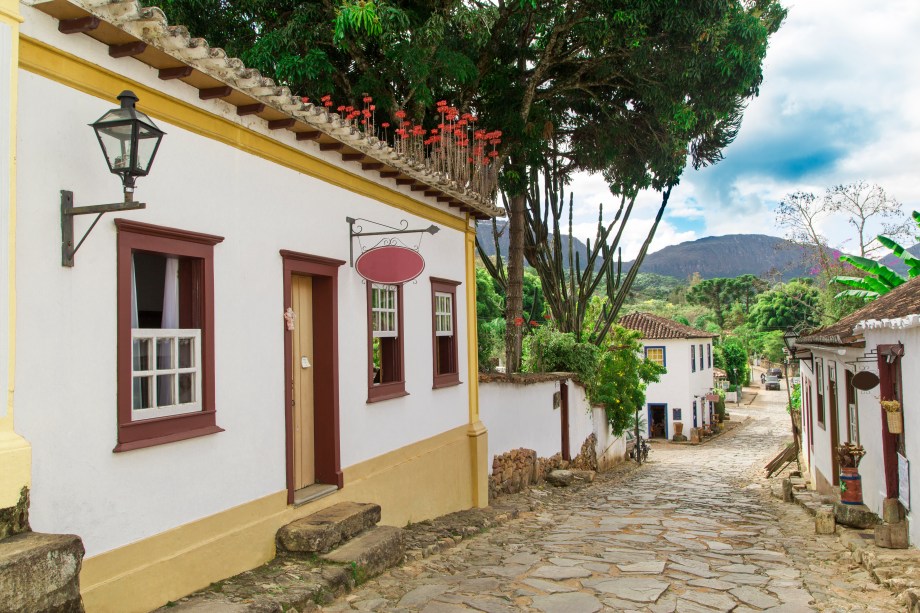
pixel 491 343
pixel 795 399
pixel 549 350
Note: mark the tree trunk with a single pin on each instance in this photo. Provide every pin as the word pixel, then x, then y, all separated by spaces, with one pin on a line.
pixel 514 298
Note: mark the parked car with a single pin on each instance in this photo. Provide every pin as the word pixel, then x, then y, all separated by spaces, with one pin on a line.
pixel 630 437
pixel 775 372
pixel 772 382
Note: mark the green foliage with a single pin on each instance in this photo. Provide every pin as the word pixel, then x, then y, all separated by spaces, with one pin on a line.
pixel 730 356
pixel 549 350
pixel 722 294
pixel 649 285
pixel 489 303
pixel 795 399
pixel 491 343
pixel 791 305
pixel 623 374
pixel 879 279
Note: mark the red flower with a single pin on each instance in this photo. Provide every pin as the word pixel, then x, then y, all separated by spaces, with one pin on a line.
pixel 326 98
pixel 547 316
pixel 400 114
pixel 373 107
pixel 327 103
pixel 518 321
pixel 385 124
pixel 304 99
pixel 534 323
pixel 368 99
pixel 340 108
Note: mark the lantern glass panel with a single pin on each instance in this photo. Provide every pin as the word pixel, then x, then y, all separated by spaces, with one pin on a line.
pixel 147 141
pixel 116 142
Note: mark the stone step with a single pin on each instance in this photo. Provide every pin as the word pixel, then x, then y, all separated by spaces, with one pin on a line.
pixel 323 530
pixel 41 572
pixel 371 553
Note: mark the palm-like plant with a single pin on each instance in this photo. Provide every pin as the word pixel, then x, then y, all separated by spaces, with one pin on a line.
pixel 879 278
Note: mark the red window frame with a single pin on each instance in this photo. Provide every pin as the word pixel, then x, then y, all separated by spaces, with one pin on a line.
pixel 439 348
pixel 138 236
pixel 390 389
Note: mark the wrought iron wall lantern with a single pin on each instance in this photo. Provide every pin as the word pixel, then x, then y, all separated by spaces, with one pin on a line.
pixel 129 141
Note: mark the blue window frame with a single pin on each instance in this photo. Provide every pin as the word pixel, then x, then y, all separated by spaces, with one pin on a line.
pixel 657 355
pixel 708 355
pixel 701 356
pixel 692 358
pixel 676 414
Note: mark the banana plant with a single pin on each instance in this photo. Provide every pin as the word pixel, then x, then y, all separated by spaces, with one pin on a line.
pixel 879 278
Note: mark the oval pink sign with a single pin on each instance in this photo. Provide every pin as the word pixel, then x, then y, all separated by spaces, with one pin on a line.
pixel 390 264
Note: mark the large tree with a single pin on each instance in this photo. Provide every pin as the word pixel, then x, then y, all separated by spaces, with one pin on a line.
pixel 632 89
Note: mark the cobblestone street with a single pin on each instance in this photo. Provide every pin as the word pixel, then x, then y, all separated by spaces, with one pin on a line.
pixel 694 530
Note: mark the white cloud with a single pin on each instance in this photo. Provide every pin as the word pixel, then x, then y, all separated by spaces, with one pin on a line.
pixel 838 105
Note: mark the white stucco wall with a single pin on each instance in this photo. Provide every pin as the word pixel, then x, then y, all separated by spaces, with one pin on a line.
pixel 67 346
pixel 870 424
pixel 680 386
pixel 522 415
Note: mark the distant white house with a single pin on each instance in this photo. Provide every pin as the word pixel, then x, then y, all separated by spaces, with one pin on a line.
pixel 681 394
pixel 878 348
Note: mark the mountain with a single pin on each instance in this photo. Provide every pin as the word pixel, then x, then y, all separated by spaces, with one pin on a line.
pixel 713 256
pixel 729 256
pixel 484 235
pixel 897 264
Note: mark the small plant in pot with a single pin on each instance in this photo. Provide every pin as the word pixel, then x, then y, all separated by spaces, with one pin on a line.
pixel 849 456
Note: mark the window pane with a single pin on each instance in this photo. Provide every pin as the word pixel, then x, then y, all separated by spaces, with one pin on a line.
pixel 186 388
pixel 186 353
pixel 142 392
pixel 165 354
pixel 166 385
pixel 141 352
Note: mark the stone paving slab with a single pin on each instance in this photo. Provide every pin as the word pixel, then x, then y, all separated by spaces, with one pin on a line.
pixel 694 530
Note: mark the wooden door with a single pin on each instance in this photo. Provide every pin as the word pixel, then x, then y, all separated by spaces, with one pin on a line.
pixel 302 383
pixel 832 411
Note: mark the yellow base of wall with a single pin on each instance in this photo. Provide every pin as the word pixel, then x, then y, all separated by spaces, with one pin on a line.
pixel 16 463
pixel 430 478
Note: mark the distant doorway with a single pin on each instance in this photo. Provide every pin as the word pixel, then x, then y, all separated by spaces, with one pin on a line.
pixel 658 421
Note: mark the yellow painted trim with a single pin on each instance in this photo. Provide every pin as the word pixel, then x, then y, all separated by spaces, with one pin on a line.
pixel 15 452
pixel 9 12
pixel 42 59
pixel 146 574
pixel 478 439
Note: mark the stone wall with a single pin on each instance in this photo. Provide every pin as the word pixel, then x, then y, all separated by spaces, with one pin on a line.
pixel 518 469
pixel 14 520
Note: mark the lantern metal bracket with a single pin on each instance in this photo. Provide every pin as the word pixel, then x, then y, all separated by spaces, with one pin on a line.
pixel 68 211
pixel 391 231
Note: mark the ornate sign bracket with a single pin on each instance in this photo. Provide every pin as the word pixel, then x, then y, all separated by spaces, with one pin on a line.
pixel 356 230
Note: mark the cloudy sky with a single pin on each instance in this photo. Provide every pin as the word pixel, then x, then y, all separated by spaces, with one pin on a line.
pixel 840 102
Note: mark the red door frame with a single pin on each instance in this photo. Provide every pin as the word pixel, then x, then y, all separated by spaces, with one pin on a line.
pixel 324 272
pixel 564 404
pixel 889 375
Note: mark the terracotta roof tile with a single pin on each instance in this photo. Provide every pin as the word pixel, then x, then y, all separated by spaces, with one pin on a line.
pixel 902 301
pixel 653 326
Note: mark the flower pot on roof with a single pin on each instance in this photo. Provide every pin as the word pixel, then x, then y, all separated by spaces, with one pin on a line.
pixel 892 410
pixel 850 480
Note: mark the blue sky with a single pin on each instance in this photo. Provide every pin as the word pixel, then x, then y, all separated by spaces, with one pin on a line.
pixel 840 102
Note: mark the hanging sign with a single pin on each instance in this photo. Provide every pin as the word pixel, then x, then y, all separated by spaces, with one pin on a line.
pixel 390 264
pixel 865 380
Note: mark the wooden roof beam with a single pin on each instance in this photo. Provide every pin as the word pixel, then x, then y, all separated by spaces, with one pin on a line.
pixel 79 25
pixel 281 124
pixel 128 49
pixel 309 135
pixel 179 72
pixel 212 93
pixel 250 109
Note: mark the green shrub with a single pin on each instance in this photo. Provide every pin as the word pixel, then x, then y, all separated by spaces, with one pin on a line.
pixel 549 350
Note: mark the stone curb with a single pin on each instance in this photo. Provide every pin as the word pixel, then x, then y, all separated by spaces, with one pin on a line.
pixel 896 569
pixel 730 426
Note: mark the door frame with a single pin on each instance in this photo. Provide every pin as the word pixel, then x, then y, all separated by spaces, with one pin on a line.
pixel 648 425
pixel 324 272
pixel 833 416
pixel 564 410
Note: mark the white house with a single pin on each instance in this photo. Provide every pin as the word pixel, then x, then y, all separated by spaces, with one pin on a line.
pixel 876 348
pixel 209 368
pixel 681 394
